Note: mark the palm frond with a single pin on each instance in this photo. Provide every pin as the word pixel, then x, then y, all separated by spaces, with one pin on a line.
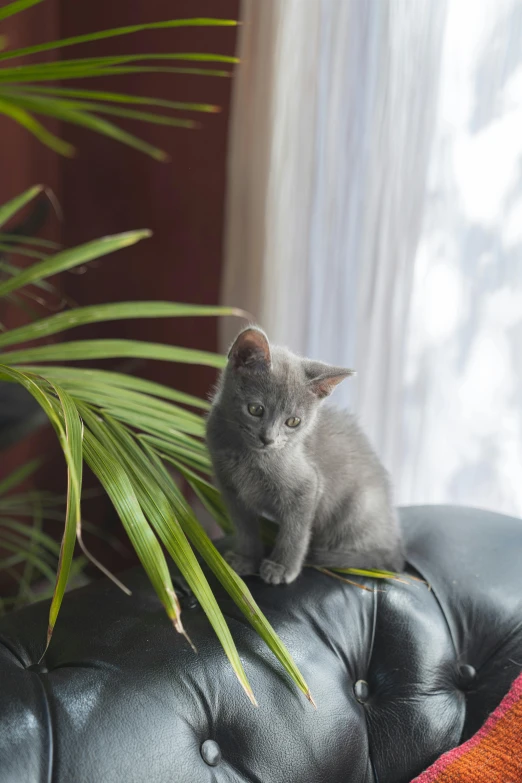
pixel 15 8
pixel 68 259
pixel 113 33
pixel 33 555
pixel 116 97
pixel 21 99
pixel 126 429
pixel 116 311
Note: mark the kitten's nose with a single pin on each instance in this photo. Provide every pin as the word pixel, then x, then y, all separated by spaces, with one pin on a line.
pixel 265 440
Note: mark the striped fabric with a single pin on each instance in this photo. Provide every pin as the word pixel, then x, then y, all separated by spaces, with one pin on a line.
pixel 493 755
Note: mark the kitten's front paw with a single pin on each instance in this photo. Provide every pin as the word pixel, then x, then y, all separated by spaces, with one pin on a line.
pixel 276 574
pixel 242 565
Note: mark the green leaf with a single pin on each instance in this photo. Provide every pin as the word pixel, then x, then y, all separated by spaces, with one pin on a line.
pixel 24 554
pixel 206 492
pixel 14 249
pixel 31 533
pixel 35 73
pixel 15 8
pixel 142 411
pixel 157 427
pixel 334 575
pixel 127 30
pixel 71 443
pixel 64 110
pixel 372 573
pixel 160 513
pixel 123 59
pixel 168 416
pixel 119 380
pixel 132 401
pixel 232 583
pixel 129 402
pixel 12 269
pixel 27 121
pixel 54 107
pixel 175 430
pixel 36 387
pixel 80 316
pixel 45 594
pixel 25 592
pixel 38 540
pixel 166 449
pixel 16 204
pixel 115 97
pixel 20 302
pixel 73 526
pixel 105 128
pixel 117 484
pixel 23 540
pixel 17 239
pixel 82 350
pixel 24 504
pixel 19 475
pixel 68 430
pixel 67 259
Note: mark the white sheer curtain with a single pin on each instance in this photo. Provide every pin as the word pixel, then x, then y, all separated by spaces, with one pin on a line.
pixel 462 409
pixel 349 236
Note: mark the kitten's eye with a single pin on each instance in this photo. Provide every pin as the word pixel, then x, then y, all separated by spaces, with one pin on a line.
pixel 293 421
pixel 255 409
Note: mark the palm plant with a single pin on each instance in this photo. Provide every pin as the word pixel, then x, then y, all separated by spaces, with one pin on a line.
pixel 127 430
pixel 29 90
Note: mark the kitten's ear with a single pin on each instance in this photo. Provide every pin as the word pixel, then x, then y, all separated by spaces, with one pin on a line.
pixel 323 378
pixel 251 350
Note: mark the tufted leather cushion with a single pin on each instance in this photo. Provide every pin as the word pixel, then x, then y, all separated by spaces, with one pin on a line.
pixel 399 674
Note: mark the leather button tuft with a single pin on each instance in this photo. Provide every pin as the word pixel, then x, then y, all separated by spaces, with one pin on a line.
pixel 467 675
pixel 39 668
pixel 211 753
pixel 362 691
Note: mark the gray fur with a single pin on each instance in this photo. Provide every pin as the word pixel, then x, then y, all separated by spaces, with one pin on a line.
pixel 321 481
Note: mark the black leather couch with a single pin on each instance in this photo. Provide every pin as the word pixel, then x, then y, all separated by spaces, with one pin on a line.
pixel 400 674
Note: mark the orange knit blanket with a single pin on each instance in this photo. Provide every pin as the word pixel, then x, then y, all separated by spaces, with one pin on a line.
pixel 492 755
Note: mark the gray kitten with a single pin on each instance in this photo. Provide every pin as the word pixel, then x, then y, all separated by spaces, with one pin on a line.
pixel 278 452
